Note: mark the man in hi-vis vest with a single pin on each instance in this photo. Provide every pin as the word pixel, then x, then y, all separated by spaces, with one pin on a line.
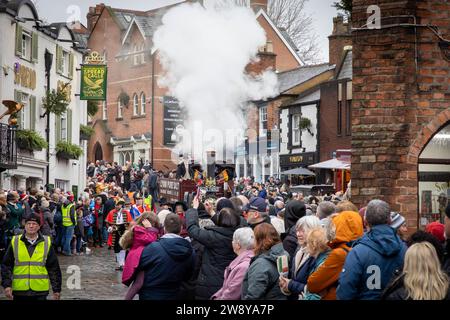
pixel 30 265
pixel 69 222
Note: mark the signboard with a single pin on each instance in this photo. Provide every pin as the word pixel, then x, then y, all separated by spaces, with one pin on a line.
pixel 93 82
pixel 173 121
pixel 295 160
pixel 24 76
pixel 169 189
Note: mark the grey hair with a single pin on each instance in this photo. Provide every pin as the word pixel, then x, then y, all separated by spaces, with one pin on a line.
pixel 279 204
pixel 325 209
pixel 245 237
pixel 307 223
pixel 378 212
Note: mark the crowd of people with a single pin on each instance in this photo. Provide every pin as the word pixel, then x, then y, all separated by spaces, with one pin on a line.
pixel 225 248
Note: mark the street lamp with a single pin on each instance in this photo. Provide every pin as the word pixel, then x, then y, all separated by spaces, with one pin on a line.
pixel 153 106
pixel 48 67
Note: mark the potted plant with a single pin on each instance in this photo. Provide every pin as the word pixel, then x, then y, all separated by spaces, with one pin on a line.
pixel 305 124
pixel 67 150
pixel 86 132
pixel 124 98
pixel 92 108
pixel 30 140
pixel 55 102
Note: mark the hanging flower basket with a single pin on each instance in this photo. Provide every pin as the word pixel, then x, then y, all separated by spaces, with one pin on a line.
pixel 66 150
pixel 305 124
pixel 92 108
pixel 86 132
pixel 30 140
pixel 124 98
pixel 55 102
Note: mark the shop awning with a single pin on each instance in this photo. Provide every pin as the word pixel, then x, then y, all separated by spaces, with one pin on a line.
pixel 331 164
pixel 299 171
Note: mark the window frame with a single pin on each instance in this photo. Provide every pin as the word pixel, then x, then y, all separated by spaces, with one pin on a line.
pixel 104 110
pixel 119 110
pixel 136 57
pixel 143 103
pixel 263 120
pixel 295 128
pixel 64 129
pixel 135 105
pixel 27 45
pixel 24 115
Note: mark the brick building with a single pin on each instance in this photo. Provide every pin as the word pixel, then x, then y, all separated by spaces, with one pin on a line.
pixel 124 37
pixel 401 107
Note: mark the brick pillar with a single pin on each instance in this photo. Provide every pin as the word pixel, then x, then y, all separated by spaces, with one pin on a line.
pixel 397 107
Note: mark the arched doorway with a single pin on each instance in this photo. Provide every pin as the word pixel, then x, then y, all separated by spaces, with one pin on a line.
pixel 434 177
pixel 98 152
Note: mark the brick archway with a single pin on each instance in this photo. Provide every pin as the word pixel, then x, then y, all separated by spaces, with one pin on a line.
pixel 423 138
pixel 426 134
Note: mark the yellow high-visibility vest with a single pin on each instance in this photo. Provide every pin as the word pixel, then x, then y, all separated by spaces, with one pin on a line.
pixel 67 222
pixel 30 273
pixel 148 201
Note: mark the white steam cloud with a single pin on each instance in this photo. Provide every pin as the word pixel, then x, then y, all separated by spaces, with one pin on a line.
pixel 204 52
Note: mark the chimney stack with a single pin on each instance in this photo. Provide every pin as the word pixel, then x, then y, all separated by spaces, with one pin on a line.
pixel 339 39
pixel 256 5
pixel 93 15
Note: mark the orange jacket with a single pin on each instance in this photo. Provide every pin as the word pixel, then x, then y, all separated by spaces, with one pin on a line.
pixel 324 281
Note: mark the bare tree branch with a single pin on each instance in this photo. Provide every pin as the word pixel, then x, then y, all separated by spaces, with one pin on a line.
pixel 290 15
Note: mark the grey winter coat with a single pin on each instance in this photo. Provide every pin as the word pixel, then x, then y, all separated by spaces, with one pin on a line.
pixel 261 279
pixel 47 221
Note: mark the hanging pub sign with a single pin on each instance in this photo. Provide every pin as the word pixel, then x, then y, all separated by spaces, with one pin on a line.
pixel 93 78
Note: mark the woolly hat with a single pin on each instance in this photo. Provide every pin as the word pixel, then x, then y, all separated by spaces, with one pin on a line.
pixel 396 220
pixel 437 229
pixel 34 218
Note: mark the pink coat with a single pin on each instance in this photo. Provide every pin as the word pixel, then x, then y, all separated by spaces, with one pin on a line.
pixel 142 237
pixel 234 277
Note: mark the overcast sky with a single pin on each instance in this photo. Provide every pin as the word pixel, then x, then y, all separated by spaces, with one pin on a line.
pixel 64 10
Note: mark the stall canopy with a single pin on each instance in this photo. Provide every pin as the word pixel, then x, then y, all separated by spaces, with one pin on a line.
pixel 299 171
pixel 331 164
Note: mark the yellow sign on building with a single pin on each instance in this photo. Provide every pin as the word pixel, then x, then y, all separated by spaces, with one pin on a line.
pixel 25 76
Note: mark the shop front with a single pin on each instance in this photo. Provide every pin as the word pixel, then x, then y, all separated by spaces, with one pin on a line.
pixel 294 161
pixel 434 178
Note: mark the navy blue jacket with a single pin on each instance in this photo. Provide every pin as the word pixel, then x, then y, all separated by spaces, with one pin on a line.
pixel 361 279
pixel 300 279
pixel 166 264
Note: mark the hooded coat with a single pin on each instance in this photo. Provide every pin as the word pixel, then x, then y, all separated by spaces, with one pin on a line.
pixel 378 255
pixel 294 211
pixel 217 254
pixel 141 238
pixel 166 264
pixel 349 227
pixel 262 278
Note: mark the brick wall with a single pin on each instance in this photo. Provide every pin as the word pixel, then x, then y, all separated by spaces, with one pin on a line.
pixel 396 107
pixel 285 59
pixel 329 140
pixel 124 76
pixel 338 40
